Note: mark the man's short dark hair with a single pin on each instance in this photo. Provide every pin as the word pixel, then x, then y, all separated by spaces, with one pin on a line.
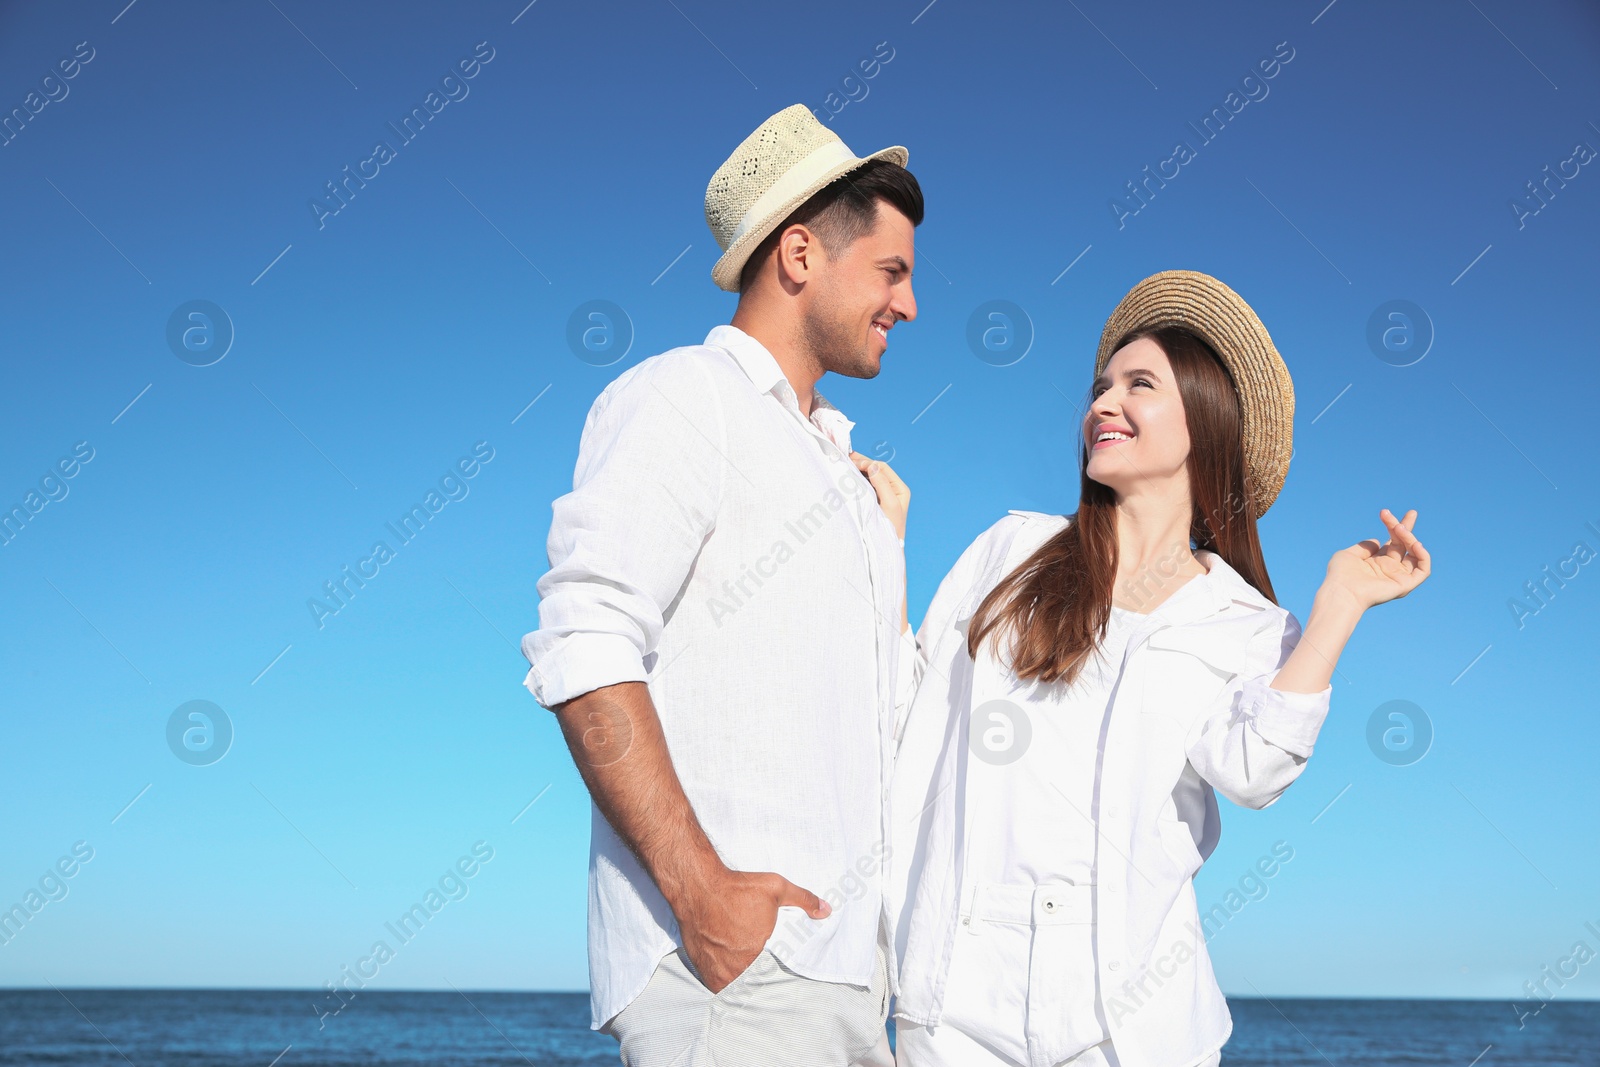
pixel 845 210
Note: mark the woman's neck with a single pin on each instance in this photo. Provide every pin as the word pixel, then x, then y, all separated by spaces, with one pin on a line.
pixel 1153 539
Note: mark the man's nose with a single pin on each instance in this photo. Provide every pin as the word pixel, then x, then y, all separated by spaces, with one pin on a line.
pixel 906 307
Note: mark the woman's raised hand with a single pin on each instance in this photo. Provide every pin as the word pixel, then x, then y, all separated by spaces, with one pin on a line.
pixel 893 496
pixel 1370 573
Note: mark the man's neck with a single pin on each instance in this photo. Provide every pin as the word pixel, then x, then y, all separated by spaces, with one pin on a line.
pixel 779 339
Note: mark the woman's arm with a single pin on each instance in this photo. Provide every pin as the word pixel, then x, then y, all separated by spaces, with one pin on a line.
pixel 1255 739
pixel 1258 740
pixel 1359 577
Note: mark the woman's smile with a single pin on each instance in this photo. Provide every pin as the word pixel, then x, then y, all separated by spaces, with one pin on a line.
pixel 1109 435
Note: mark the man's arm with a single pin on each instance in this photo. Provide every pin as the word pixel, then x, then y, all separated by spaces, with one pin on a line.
pixel 646 492
pixel 724 916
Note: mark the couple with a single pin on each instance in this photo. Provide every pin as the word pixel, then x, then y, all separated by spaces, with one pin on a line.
pixel 802 808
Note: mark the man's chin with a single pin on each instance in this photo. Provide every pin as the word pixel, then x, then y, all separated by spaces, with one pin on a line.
pixel 867 367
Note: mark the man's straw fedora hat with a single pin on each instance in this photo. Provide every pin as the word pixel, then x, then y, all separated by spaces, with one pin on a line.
pixel 1218 315
pixel 787 160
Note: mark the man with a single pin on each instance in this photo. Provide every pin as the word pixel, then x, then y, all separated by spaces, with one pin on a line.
pixel 721 630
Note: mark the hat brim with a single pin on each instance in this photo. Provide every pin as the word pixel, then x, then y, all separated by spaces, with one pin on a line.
pixel 731 265
pixel 1207 307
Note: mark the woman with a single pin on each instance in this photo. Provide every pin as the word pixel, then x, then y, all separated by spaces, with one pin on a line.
pixel 1087 684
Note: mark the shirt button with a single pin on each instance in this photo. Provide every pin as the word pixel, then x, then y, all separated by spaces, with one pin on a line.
pixel 1049 905
pixel 1113 965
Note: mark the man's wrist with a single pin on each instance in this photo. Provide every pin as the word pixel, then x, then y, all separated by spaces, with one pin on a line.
pixel 691 879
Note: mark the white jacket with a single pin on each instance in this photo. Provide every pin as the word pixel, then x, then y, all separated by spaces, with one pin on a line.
pixel 1193 715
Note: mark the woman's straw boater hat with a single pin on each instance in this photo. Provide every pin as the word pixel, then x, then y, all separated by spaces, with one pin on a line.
pixel 787 160
pixel 1205 306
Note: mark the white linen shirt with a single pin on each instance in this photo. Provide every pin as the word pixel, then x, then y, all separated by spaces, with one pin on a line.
pixel 723 549
pixel 1192 714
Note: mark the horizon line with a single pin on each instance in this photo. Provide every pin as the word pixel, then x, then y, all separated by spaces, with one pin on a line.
pixel 584 992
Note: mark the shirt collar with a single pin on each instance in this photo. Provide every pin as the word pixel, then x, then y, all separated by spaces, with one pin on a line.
pixel 1218 587
pixel 1214 590
pixel 765 374
pixel 831 421
pixel 751 355
pixel 1197 621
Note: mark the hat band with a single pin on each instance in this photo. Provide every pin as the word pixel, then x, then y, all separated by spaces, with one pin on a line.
pixel 794 181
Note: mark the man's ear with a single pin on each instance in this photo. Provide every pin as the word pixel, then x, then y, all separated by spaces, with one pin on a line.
pixel 799 252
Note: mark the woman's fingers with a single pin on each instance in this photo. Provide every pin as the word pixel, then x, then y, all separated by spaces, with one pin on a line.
pixel 1399 532
pixel 882 477
pixel 891 491
pixel 1421 562
pixel 1424 562
pixel 1404 543
pixel 893 496
pixel 890 478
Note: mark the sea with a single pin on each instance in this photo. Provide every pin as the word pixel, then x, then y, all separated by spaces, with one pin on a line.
pixel 465 1028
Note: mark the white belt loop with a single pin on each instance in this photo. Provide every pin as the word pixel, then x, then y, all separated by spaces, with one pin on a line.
pixel 969 893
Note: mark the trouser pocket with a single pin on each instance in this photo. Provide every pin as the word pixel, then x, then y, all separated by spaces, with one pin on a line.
pixel 1062 975
pixel 986 993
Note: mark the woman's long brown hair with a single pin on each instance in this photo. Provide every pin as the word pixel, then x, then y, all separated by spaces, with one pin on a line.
pixel 1056 605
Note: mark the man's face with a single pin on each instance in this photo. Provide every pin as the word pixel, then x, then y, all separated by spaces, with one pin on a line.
pixel 860 295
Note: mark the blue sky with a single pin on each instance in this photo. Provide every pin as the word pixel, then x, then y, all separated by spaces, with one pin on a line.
pixel 374 349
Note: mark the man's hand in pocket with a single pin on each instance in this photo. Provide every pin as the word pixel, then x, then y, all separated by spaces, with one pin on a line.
pixel 726 924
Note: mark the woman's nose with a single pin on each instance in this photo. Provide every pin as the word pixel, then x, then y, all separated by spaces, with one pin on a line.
pixel 1105 404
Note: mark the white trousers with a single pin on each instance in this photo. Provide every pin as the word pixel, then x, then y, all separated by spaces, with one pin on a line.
pixel 945 1046
pixel 1025 953
pixel 768 1016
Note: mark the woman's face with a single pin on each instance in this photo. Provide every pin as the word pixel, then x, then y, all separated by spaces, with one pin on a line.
pixel 1134 428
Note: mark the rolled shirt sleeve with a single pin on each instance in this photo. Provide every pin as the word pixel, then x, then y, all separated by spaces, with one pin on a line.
pixel 1291 721
pixel 1258 740
pixel 645 494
